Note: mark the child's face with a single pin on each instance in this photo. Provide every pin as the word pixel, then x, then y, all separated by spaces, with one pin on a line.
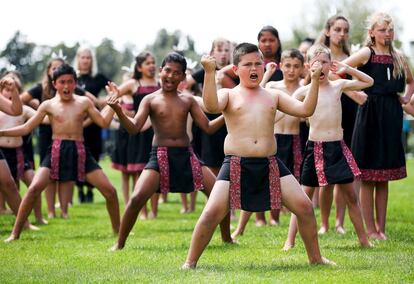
pixel 85 60
pixel 292 69
pixel 65 86
pixel 171 76
pixel 325 61
pixel 55 64
pixel 8 91
pixel 250 69
pixel 383 33
pixel 338 33
pixel 222 54
pixel 148 67
pixel 268 45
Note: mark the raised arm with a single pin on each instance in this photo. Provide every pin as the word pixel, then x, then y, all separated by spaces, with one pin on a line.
pixel 210 99
pixel 132 125
pixel 360 80
pixel 270 69
pixel 13 107
pixel 295 107
pixel 29 125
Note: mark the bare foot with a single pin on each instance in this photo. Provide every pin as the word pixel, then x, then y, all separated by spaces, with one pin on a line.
pixel 236 234
pixel 260 223
pixel 273 222
pixel 187 266
pixel 116 247
pixel 33 228
pixel 287 246
pixel 326 261
pixel 5 211
pixel 340 230
pixel 143 217
pixel 30 227
pixel 374 236
pixel 366 244
pixel 383 236
pixel 322 230
pixel 41 222
pixel 151 215
pixel 11 239
pixel 51 215
pixel 183 210
pixel 64 216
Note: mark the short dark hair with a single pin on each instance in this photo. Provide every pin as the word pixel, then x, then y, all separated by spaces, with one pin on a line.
pixel 292 53
pixel 138 63
pixel 64 69
pixel 243 49
pixel 177 58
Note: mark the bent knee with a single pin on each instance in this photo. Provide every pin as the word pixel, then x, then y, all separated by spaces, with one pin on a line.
pixel 305 208
pixel 110 193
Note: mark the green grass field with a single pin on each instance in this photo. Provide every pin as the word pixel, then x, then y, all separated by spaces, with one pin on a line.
pixel 76 250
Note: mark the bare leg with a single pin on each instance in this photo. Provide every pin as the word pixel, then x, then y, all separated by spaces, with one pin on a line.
pixel 241 226
pixel 154 205
pixel 274 217
pixel 184 204
pixel 9 188
pixel 354 212
pixel 50 194
pixel 39 183
pixel 260 219
pixel 208 181
pixel 293 225
pixel 65 189
pixel 299 204
pixel 315 198
pixel 3 209
pixel 216 209
pixel 326 198
pixel 367 206
pixel 193 199
pixel 27 179
pixel 125 186
pixel 340 205
pixel 381 201
pixel 145 187
pixel 99 180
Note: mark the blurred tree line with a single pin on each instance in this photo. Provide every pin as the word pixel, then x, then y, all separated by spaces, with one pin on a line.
pixel 31 59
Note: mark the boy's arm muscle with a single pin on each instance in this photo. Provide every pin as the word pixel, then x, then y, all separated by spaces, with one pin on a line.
pixel 211 100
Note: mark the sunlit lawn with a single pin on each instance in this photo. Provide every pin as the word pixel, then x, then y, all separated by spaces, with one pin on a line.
pixel 76 250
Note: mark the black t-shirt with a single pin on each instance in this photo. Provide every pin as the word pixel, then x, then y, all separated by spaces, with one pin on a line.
pixel 198 76
pixel 36 92
pixel 94 85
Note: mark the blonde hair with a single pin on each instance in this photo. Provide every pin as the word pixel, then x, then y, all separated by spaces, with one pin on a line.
pixel 317 49
pixel 397 57
pixel 94 66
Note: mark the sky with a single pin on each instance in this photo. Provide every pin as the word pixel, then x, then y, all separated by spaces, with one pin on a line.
pixel 137 21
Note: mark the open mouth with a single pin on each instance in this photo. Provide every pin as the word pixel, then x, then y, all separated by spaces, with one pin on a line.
pixel 253 76
pixel 322 76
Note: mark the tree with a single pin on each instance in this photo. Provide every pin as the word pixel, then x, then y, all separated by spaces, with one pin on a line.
pixel 18 52
pixel 109 59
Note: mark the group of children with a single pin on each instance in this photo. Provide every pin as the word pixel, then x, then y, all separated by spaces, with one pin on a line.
pixel 263 166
